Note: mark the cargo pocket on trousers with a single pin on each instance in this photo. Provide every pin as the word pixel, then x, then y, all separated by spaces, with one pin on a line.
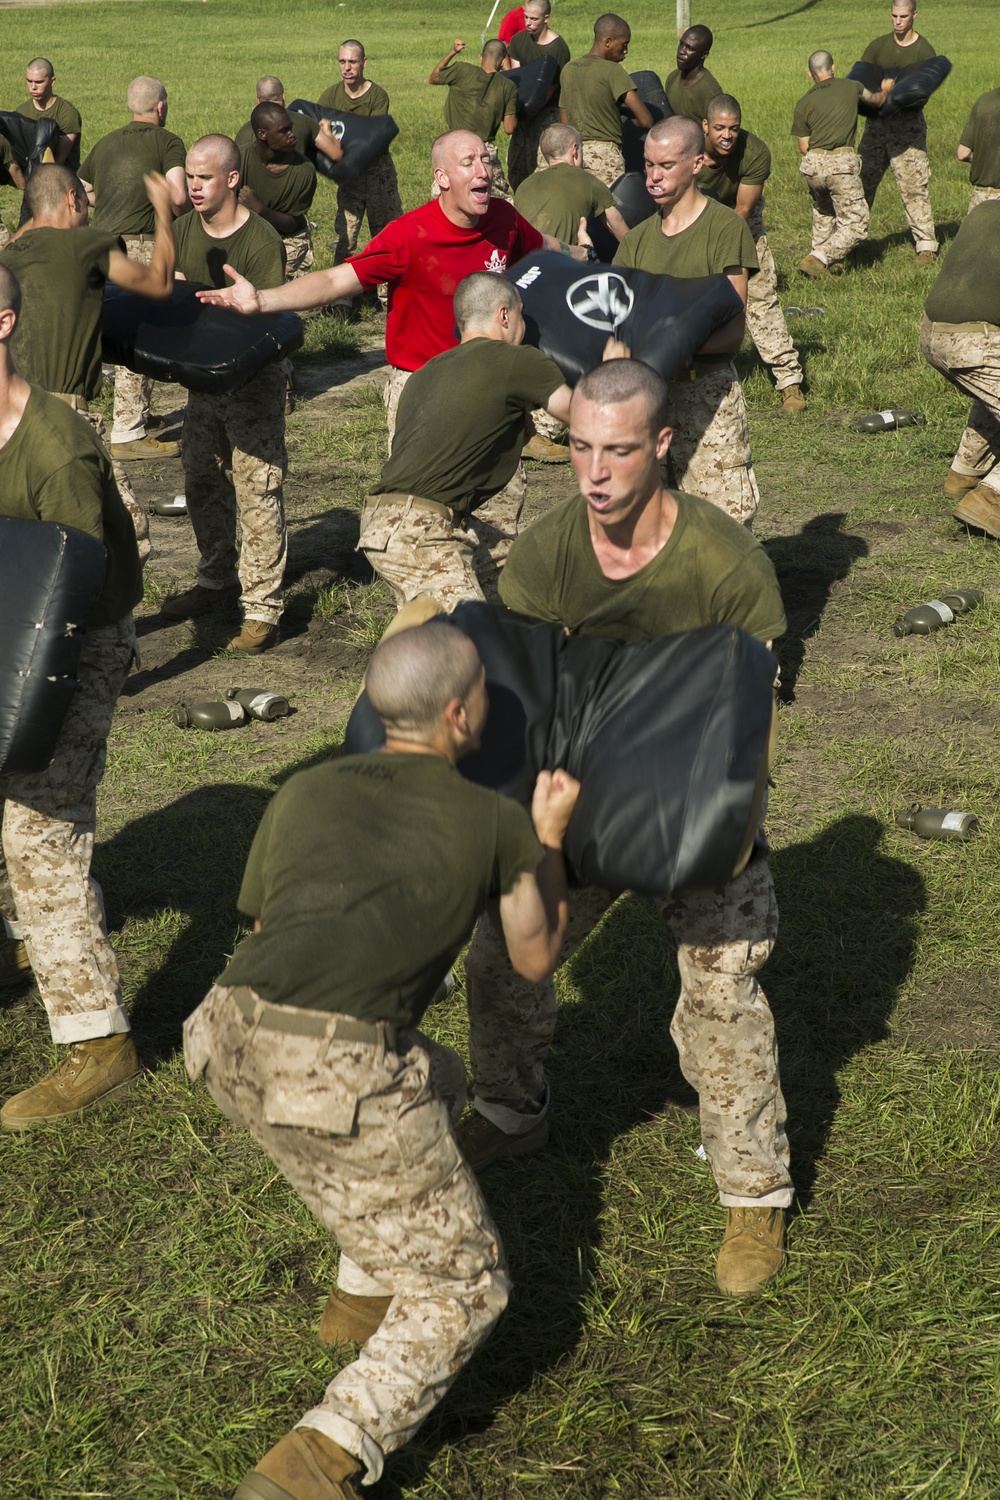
pixel 378 528
pixel 324 1109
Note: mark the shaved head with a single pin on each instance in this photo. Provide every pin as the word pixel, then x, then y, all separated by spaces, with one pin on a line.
pixel 684 135
pixel 619 380
pixel 46 189
pixel 557 141
pixel 270 90
pixel 41 65
pixel 609 27
pixel 220 150
pixel 144 94
pixel 481 296
pixel 268 116
pixel 723 104
pixel 413 676
pixel 494 51
pixel 699 38
pixel 448 147
pixel 820 64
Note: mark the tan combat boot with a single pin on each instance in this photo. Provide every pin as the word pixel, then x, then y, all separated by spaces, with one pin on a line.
pixel 255 636
pixel 980 508
pixel 752 1250
pixel 792 399
pixel 957 486
pixel 544 451
pixel 90 1071
pixel 15 965
pixel 305 1465
pixel 349 1317
pixel 812 266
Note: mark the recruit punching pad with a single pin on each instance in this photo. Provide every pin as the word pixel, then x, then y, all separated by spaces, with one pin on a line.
pixel 913 86
pixel 669 739
pixel 50 577
pixel 570 309
pixel 533 82
pixel 208 349
pixel 364 138
pixel 650 91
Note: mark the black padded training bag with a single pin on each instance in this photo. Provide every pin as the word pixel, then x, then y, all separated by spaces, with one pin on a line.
pixel 364 138
pixel 50 577
pixel 632 202
pixel 28 139
pixel 533 82
pixel 570 309
pixel 650 90
pixel 914 84
pixel 207 349
pixel 669 739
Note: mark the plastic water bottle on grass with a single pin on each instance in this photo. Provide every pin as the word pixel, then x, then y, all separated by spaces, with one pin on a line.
pixel 938 822
pixel 210 715
pixel 259 703
pixel 885 421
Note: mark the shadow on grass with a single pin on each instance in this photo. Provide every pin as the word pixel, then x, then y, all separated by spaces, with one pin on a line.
pixel 784 15
pixel 808 565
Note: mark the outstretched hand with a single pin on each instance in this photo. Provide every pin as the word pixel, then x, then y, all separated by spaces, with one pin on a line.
pixel 158 192
pixel 240 296
pixel 552 805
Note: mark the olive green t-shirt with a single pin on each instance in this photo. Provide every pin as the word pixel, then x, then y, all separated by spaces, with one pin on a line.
pixel 691 102
pixel 374 102
pixel 967 289
pixel 716 240
pixel 367 875
pixel 749 162
pixel 66 116
pixel 981 136
pixel 557 199
pixel 290 191
pixel 524 50
pixel 305 127
pixel 57 341
pixel 591 90
pixel 711 572
pixel 255 250
pixel 828 114
pixel 886 52
pixel 460 424
pixel 477 100
pixel 115 169
pixel 54 467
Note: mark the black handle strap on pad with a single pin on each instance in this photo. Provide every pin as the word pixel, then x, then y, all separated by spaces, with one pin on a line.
pixel 669 740
pixel 650 91
pixel 207 349
pixel 914 85
pixel 364 138
pixel 570 309
pixel 29 139
pixel 50 577
pixel 533 82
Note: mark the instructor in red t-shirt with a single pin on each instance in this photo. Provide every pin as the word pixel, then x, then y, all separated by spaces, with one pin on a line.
pixel 423 256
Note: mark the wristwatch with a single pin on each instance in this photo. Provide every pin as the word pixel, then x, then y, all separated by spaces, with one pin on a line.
pixel 591 253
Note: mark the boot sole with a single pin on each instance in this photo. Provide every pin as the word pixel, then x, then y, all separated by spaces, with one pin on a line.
pixel 259 1487
pixel 976 522
pixel 33 1122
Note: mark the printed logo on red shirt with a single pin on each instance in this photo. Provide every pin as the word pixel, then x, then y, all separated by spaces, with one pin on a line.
pixel 497 263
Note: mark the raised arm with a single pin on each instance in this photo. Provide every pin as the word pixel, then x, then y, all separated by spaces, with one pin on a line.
pixel 535 912
pixel 457 46
pixel 156 279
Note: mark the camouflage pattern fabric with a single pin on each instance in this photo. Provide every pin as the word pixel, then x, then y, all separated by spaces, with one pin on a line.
pixel 422 551
pixel 391 392
pixel 839 212
pixel 722 1026
pixel 46 848
pixel 361 1134
pixel 710 450
pixel 548 426
pixel 900 142
pixel 765 319
pixel 603 160
pixel 132 392
pixel 375 193
pixel 501 187
pixel 979 195
pixel 968 354
pixel 140 520
pixel 298 254
pixel 523 151
pixel 242 434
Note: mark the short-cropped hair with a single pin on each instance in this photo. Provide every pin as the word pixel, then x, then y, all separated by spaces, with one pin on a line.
pixel 609 26
pixel 820 63
pixel 494 50
pixel 47 187
pixel 225 151
pixel 480 297
pixel 723 104
pixel 144 94
pixel 267 116
pixel 618 380
pixel 558 140
pixel 413 676
pixel 687 133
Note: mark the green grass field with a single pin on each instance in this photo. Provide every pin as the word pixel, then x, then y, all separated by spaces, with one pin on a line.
pixel 161 1286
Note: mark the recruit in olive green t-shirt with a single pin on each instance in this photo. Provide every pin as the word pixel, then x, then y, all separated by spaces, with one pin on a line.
pixel 557 199
pixel 981 136
pixel 711 572
pixel 749 164
pixel 305 127
pixel 828 114
pixel 886 52
pixel 524 50
pixel 290 191
pixel 477 100
pixel 967 289
pixel 57 341
pixel 255 251
pixel 367 875
pixel 375 101
pixel 717 240
pixel 692 100
pixel 591 90
pixel 66 116
pixel 54 467
pixel 460 424
pixel 115 169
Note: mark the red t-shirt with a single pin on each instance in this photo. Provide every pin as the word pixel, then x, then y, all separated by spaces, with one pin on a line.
pixel 423 256
pixel 512 23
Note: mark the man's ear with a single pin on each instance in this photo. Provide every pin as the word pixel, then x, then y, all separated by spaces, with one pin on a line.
pixel 663 438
